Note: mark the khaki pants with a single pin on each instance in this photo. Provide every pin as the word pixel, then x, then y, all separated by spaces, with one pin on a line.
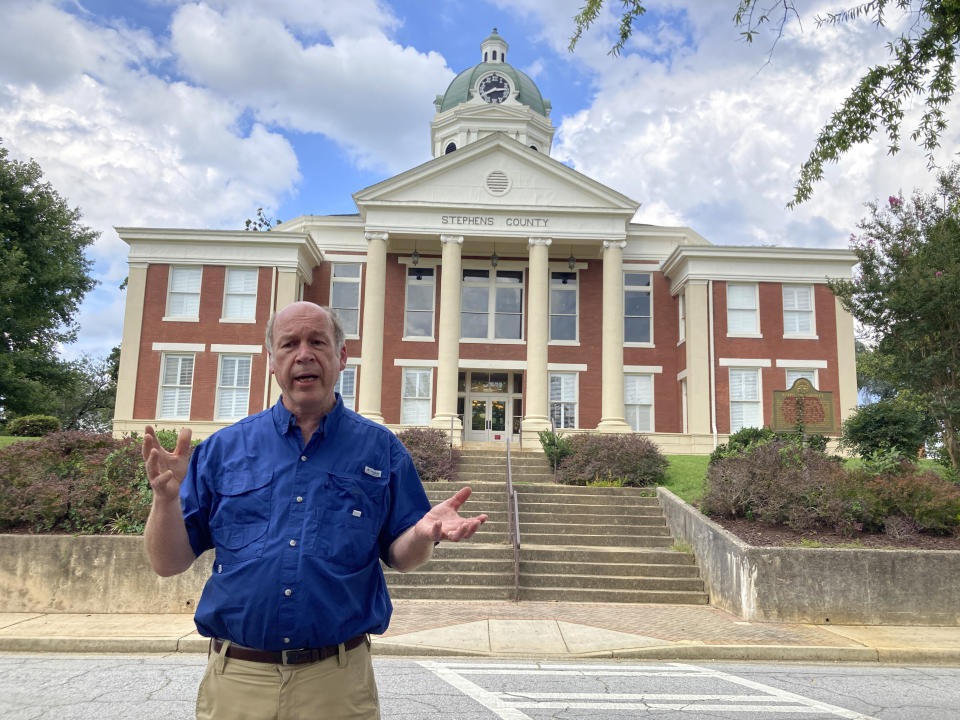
pixel 338 688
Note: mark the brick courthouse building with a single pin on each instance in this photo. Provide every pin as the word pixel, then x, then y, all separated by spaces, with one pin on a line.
pixel 490 290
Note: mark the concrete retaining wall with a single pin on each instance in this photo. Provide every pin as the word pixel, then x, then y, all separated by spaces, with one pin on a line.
pixel 818 585
pixel 91 574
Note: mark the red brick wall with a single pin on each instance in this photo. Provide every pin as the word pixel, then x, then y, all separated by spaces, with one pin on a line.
pixel 209 330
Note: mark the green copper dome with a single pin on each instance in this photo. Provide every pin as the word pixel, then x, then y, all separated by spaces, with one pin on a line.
pixel 459 90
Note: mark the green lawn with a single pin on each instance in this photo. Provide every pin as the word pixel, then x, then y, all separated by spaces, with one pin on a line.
pixel 686 475
pixel 10 440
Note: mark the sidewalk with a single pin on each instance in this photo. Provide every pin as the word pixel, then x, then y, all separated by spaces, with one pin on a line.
pixel 532 630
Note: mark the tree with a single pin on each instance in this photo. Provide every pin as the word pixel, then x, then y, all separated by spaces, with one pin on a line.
pixel 88 402
pixel 43 277
pixel 907 293
pixel 921 64
pixel 260 223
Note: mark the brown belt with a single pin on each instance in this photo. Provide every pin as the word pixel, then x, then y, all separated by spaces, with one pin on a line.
pixel 285 657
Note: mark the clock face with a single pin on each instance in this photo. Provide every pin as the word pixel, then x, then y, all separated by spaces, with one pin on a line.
pixel 494 88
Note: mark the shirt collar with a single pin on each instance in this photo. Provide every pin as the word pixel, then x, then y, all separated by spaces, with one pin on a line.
pixel 285 421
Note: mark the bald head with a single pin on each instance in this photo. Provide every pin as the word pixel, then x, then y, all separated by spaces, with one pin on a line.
pixel 304 307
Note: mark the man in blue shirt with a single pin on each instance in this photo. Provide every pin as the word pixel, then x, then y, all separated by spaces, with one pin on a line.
pixel 300 502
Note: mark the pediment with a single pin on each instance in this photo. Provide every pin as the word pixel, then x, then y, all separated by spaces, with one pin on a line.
pixel 496 173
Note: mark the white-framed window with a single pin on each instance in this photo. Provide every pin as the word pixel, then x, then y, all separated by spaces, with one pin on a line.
pixel 563 399
pixel 638 402
pixel 240 294
pixel 563 306
pixel 746 408
pixel 742 316
pixel 682 316
pixel 347 386
pixel 637 308
pixel 233 387
pixel 421 292
pixel 345 296
pixel 415 401
pixel 176 386
pixel 798 317
pixel 491 304
pixel 183 292
pixel 794 374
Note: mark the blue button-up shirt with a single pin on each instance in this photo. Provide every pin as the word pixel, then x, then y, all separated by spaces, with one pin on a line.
pixel 298 530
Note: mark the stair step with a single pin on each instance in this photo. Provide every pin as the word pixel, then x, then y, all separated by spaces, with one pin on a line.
pixel 430 578
pixel 580 530
pixel 637 541
pixel 612 582
pixel 592 519
pixel 579 553
pixel 565 569
pixel 451 592
pixel 617 596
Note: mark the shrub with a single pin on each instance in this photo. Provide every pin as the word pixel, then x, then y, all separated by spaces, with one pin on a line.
pixel 431 453
pixel 33 425
pixel 555 446
pixel 73 482
pixel 739 441
pixel 632 459
pixel 886 425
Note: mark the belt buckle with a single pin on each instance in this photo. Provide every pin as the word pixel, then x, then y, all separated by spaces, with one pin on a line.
pixel 297 656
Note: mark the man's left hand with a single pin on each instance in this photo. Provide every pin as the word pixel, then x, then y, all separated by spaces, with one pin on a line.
pixel 443 522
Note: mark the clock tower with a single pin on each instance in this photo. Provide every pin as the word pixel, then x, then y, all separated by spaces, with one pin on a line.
pixel 492 96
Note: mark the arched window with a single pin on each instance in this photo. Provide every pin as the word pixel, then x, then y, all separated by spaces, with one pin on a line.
pixel 450 148
pixel 484 57
pixel 534 148
pixel 494 54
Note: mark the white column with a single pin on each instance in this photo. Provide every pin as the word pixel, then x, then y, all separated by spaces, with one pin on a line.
pixel 537 411
pixel 288 292
pixel 371 339
pixel 611 399
pixel 698 357
pixel 448 335
pixel 846 362
pixel 130 347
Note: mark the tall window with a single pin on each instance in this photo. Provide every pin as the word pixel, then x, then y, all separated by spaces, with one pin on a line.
pixel 563 306
pixel 563 399
pixel 636 307
pixel 638 402
pixel 176 385
pixel 491 304
pixel 233 388
pixel 240 294
pixel 682 313
pixel 794 374
pixel 345 296
pixel 415 402
pixel 746 409
pixel 798 310
pixel 742 310
pixel 347 386
pixel 418 320
pixel 183 297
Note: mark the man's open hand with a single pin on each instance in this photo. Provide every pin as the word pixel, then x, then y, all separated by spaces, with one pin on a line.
pixel 166 470
pixel 443 522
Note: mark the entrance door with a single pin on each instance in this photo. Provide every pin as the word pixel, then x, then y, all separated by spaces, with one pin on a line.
pixel 488 419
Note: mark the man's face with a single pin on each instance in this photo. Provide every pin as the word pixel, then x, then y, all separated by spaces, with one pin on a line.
pixel 306 361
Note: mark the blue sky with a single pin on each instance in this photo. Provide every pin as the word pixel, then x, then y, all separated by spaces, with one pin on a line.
pixel 168 113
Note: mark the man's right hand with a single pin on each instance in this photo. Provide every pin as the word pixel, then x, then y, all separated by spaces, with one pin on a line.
pixel 166 470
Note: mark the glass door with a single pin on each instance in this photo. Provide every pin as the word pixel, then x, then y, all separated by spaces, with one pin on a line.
pixel 488 419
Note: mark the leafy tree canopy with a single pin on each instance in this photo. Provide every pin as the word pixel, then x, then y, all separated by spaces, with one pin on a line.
pixel 921 65
pixel 907 293
pixel 43 277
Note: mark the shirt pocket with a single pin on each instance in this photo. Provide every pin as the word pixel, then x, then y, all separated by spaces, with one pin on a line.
pixel 239 525
pixel 349 520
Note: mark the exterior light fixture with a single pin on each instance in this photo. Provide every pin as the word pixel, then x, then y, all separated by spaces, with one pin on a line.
pixel 571 261
pixel 494 258
pixel 415 258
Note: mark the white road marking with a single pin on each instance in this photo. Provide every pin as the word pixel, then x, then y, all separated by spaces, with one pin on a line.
pixel 510 705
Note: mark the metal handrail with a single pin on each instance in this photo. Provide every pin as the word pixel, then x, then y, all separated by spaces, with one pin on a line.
pixel 513 520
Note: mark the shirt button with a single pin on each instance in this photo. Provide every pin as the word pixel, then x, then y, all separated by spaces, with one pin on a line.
pixel 288 592
pixel 293 543
pixel 286 641
pixel 299 499
pixel 303 458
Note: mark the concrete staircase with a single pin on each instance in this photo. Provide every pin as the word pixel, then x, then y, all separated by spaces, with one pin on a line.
pixel 577 543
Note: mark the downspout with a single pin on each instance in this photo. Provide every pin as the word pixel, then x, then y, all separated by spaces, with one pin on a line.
pixel 272 309
pixel 713 372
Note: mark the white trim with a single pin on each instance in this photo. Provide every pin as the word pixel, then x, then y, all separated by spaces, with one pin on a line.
pixel 177 318
pixel 333 258
pixel 565 367
pixel 744 362
pixel 237 349
pixel 408 363
pixel 564 343
pixel 682 375
pixel 493 341
pixel 801 337
pixel 416 338
pixel 179 347
pixel 643 369
pixel 248 321
pixel 353 361
pixel 468 364
pixel 422 262
pixel 803 364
